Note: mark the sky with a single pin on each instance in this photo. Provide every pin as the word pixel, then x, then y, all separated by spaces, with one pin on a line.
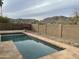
pixel 38 9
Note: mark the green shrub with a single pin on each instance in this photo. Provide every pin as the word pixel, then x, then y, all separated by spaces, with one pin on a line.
pixel 4 19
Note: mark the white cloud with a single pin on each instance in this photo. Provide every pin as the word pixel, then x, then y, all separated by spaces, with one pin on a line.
pixel 37 8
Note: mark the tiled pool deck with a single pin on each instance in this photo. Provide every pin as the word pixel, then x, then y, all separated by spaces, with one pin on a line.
pixel 9 51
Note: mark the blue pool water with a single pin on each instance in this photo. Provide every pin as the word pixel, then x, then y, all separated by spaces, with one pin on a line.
pixel 29 47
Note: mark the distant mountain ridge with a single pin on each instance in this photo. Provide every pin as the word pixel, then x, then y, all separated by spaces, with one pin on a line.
pixel 56 18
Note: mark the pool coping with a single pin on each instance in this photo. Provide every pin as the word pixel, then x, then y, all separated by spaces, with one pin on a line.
pixel 11 31
pixel 61 45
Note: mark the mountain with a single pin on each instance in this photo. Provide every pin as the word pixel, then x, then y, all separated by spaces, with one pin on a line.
pixel 56 19
pixel 27 21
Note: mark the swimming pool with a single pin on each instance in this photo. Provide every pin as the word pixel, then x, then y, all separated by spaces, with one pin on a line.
pixel 30 47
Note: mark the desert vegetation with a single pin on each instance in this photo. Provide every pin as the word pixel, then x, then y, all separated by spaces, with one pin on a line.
pixel 4 19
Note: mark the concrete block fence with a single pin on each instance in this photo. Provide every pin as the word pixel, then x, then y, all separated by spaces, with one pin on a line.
pixel 58 30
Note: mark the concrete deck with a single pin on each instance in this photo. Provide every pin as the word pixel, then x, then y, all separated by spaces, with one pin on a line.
pixel 9 51
pixel 69 52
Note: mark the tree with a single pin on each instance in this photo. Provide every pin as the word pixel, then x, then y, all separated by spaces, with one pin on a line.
pixel 19 20
pixel 75 18
pixel 4 19
pixel 1 3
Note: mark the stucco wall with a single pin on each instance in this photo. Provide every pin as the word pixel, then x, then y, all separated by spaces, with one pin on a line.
pixel 68 31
